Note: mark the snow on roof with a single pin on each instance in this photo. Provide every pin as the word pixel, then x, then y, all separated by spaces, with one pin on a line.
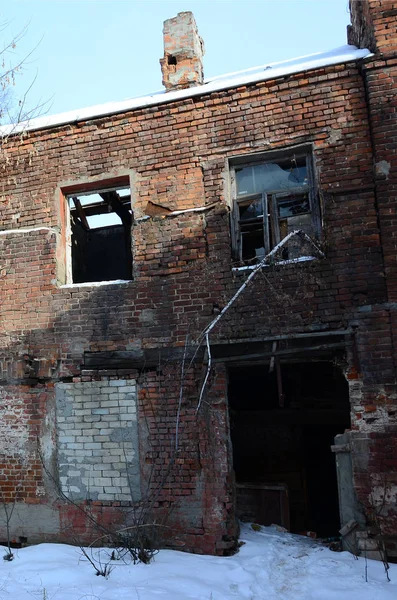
pixel 339 55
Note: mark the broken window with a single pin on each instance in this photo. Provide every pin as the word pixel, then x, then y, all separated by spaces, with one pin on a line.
pixel 100 234
pixel 273 198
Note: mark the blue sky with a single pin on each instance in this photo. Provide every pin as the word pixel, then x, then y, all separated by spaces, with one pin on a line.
pixel 94 51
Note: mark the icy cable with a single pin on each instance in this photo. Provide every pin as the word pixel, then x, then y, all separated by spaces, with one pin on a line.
pixel 258 267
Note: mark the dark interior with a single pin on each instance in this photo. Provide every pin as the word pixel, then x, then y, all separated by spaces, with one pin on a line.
pixel 102 254
pixel 285 470
pixel 101 222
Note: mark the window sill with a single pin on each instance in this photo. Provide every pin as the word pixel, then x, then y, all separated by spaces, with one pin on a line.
pixel 291 261
pixel 96 283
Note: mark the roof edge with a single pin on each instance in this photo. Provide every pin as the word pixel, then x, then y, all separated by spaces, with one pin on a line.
pixel 343 54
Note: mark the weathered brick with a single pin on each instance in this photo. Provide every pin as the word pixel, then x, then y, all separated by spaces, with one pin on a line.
pixel 176 153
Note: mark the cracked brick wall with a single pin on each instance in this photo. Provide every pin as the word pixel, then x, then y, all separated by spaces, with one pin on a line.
pixel 175 155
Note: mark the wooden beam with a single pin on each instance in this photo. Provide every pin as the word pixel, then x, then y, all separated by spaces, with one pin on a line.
pixel 288 336
pixel 96 208
pixel 80 212
pixel 138 359
pixel 113 199
pixel 284 352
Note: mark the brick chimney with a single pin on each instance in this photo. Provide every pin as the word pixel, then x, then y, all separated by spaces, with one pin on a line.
pixel 182 65
pixel 373 25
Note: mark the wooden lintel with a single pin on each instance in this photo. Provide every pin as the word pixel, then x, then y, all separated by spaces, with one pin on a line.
pixel 138 359
pixel 284 352
pixel 289 336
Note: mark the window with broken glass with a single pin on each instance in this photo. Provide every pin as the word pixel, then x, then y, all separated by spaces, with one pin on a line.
pixel 99 235
pixel 272 199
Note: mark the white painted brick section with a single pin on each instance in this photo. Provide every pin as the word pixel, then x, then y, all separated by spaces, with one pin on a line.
pixel 98 440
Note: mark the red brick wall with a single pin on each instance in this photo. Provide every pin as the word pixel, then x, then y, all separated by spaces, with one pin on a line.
pixel 377 481
pixel 374 25
pixel 22 410
pixel 175 154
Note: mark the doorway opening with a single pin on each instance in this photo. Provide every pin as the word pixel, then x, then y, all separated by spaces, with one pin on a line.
pixel 285 470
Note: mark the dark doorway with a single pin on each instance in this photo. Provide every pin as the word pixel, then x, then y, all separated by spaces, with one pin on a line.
pixel 285 470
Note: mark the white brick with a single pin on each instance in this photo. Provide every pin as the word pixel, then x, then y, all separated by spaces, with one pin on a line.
pixel 101 481
pixel 84 438
pixel 97 452
pixel 102 496
pixel 119 451
pixel 112 490
pixel 120 481
pixel 65 439
pixel 110 445
pixel 79 412
pixel 109 403
pixel 107 459
pixel 112 474
pixel 100 467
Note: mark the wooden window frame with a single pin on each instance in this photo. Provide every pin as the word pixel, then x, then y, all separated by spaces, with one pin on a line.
pixel 271 229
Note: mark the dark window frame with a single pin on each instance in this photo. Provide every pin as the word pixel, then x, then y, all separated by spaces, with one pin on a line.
pixel 271 228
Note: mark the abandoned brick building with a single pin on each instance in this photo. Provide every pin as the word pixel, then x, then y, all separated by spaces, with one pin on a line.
pixel 198 301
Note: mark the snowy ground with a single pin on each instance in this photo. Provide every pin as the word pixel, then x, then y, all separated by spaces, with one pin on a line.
pixel 270 565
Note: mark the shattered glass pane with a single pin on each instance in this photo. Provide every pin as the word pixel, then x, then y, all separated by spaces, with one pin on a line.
pixel 278 176
pixel 293 205
pixel 245 181
pixel 251 210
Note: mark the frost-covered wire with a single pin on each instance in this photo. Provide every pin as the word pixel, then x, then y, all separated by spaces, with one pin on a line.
pixel 205 333
pixel 207 374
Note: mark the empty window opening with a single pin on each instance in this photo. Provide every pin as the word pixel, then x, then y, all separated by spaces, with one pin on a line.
pixel 272 199
pixel 285 470
pixel 171 59
pixel 100 235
